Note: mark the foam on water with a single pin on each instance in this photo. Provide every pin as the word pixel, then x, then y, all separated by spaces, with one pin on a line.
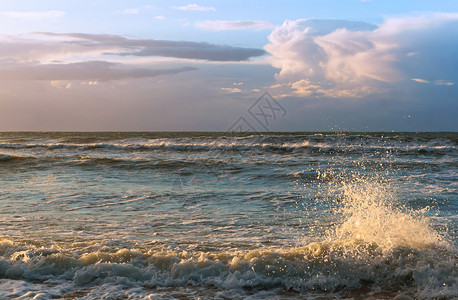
pixel 190 215
pixel 357 143
pixel 376 249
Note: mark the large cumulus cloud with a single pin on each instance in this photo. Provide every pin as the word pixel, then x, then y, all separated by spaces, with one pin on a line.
pixel 336 58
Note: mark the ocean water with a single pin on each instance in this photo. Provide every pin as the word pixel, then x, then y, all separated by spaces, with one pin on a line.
pixel 228 216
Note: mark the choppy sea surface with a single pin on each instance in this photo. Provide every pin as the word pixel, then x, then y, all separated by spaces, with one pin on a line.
pixel 228 216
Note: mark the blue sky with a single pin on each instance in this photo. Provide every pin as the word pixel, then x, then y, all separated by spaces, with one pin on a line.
pixel 354 65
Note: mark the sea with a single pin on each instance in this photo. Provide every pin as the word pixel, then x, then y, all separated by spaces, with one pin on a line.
pixel 225 215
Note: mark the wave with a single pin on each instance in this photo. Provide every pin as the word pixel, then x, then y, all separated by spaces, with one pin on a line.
pixel 377 248
pixel 141 163
pixel 258 143
pixel 6 157
pixel 15 158
pixel 422 271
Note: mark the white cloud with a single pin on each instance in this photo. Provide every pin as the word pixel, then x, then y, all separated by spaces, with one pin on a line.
pixel 91 82
pixel 335 58
pixel 14 50
pixel 60 58
pixel 62 84
pixel 231 90
pixel 160 17
pixel 318 57
pixel 307 88
pixel 50 15
pixel 195 7
pixel 220 25
pixel 61 74
pixel 420 80
pixel 106 44
pixel 443 82
pixel 435 82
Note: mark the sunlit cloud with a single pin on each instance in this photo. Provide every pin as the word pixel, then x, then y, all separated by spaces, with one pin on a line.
pixel 420 80
pixel 60 58
pixel 15 50
pixel 220 25
pixel 334 58
pixel 150 47
pixel 435 82
pixel 195 7
pixel 91 82
pixel 63 84
pixel 91 71
pixel 307 88
pixel 231 90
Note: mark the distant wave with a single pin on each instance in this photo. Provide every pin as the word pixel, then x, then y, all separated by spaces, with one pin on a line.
pixel 6 157
pixel 255 144
pixel 15 158
pixel 129 163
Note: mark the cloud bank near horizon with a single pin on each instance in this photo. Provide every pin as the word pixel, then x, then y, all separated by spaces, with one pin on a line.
pixel 89 70
pixel 163 48
pixel 80 56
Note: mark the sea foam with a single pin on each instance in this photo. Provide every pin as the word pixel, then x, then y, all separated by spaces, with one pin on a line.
pixel 376 246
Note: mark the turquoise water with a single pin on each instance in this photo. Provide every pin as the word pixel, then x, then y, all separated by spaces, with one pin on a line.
pixel 219 215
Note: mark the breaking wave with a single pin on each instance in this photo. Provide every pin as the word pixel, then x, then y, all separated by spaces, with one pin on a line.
pixel 376 249
pixel 348 144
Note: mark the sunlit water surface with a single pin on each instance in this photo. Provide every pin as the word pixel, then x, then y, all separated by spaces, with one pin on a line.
pixel 214 215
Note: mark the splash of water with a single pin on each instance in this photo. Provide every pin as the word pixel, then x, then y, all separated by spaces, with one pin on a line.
pixel 374 216
pixel 378 245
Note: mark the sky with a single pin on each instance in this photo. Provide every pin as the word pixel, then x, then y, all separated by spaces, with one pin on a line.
pixel 145 65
